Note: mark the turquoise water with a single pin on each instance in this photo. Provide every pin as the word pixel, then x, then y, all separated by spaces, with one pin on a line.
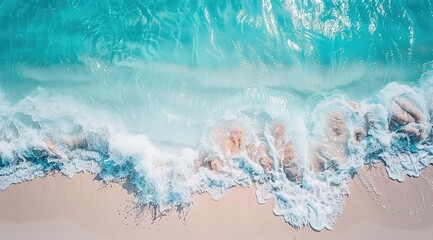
pixel 137 91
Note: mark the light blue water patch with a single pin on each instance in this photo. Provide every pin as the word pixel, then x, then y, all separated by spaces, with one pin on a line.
pixel 175 98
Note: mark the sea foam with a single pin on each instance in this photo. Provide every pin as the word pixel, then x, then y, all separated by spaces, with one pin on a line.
pixel 174 98
pixel 47 132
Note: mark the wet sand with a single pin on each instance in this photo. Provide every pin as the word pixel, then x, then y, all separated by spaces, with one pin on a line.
pixel 81 208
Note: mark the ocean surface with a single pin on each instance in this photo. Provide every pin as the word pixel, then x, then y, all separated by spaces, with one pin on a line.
pixel 173 98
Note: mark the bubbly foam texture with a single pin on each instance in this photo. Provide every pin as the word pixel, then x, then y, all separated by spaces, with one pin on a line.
pixel 175 99
pixel 309 164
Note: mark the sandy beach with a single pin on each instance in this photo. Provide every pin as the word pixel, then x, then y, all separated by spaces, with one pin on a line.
pixel 82 208
pixel 324 109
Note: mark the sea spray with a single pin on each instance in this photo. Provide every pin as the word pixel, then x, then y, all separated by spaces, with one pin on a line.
pixel 42 137
pixel 173 98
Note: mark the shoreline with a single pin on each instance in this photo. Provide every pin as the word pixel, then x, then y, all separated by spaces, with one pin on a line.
pixel 83 208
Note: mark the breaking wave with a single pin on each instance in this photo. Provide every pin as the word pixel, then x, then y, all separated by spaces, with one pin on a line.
pixel 173 99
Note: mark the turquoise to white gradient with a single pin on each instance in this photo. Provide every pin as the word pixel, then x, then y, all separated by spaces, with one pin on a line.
pixel 145 81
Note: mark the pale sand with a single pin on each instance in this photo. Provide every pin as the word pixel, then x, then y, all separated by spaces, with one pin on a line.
pixel 80 208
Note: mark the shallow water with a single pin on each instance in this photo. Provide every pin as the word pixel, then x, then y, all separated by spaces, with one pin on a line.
pixel 136 92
